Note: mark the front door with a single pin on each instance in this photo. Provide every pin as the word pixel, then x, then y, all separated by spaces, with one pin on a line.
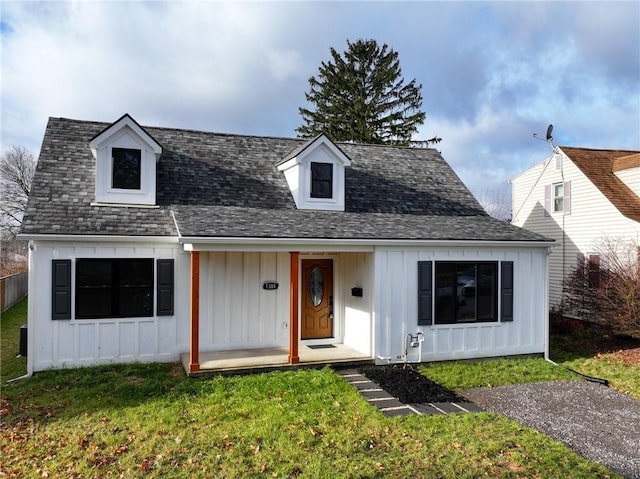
pixel 317 299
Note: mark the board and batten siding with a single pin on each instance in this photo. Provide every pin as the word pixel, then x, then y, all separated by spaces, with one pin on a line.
pixel 237 313
pixel 593 217
pixel 396 307
pixel 357 271
pixel 84 342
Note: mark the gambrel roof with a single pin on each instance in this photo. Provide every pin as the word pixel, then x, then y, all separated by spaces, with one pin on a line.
pixel 228 186
pixel 599 166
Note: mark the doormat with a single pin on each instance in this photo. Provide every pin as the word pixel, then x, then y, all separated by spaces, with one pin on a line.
pixel 321 346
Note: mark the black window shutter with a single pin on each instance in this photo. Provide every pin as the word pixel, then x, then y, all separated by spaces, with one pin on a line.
pixel 507 291
pixel 61 289
pixel 425 293
pixel 165 287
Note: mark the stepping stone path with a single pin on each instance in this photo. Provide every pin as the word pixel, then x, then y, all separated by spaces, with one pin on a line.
pixel 391 406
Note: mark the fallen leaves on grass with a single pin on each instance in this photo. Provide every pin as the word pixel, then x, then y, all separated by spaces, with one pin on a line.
pixel 622 356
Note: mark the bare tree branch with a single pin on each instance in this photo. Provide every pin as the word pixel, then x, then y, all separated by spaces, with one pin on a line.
pixel 17 167
pixel 497 202
pixel 607 291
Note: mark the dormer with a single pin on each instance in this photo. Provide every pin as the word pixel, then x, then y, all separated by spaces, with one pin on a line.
pixel 627 169
pixel 315 175
pixel 126 157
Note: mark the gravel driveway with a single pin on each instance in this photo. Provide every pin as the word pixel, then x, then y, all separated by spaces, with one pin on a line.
pixel 595 421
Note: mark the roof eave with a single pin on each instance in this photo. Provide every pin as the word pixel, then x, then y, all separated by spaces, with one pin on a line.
pixel 97 238
pixel 200 243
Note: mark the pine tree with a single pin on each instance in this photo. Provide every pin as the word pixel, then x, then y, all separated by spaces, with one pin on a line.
pixel 361 96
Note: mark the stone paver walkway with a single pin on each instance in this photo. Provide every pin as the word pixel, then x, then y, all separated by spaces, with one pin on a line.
pixel 391 406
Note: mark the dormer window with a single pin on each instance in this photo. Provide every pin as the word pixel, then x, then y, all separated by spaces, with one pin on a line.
pixel 127 165
pixel 126 157
pixel 315 173
pixel 321 180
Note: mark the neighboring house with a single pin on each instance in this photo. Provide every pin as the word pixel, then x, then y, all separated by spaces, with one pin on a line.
pixel 154 244
pixel 579 196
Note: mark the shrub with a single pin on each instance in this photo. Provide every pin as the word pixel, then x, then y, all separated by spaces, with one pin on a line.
pixel 605 288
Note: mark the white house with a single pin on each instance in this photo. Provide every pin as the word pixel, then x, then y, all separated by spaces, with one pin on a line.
pixel 579 196
pixel 157 244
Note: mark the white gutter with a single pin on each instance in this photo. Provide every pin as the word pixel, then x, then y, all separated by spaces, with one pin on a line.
pixel 99 238
pixel 214 243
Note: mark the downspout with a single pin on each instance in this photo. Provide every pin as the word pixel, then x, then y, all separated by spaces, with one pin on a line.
pixel 592 379
pixel 546 307
pixel 32 248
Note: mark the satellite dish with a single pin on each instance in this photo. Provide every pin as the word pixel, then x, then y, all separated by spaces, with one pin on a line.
pixel 549 131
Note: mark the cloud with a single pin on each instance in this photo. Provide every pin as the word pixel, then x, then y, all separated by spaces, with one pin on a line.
pixel 493 73
pixel 176 64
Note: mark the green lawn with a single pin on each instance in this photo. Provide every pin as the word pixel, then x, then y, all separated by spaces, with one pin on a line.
pixel 152 421
pixel 10 322
pixel 595 356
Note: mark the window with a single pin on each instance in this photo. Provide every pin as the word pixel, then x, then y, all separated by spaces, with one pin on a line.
pixel 464 292
pixel 126 168
pixel 321 180
pixel 114 288
pixel 593 270
pixel 558 198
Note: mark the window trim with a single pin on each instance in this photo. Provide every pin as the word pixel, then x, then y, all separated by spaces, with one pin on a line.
pixel 115 289
pixel 331 181
pixel 426 285
pixel 550 198
pixel 556 198
pixel 113 186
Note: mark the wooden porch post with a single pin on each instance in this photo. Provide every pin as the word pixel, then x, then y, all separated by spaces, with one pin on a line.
pixel 194 346
pixel 293 308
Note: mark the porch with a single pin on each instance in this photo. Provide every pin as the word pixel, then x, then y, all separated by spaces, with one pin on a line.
pixel 269 359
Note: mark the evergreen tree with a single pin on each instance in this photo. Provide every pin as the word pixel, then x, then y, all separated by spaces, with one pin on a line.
pixel 361 96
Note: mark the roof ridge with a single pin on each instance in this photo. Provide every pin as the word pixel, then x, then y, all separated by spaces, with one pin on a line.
pixel 611 150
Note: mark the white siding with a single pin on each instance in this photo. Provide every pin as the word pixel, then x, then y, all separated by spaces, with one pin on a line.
pixel 631 178
pixel 235 311
pixel 396 307
pixel 358 327
pixel 592 217
pixel 69 343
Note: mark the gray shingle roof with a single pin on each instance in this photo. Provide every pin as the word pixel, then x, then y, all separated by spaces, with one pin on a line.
pixel 221 185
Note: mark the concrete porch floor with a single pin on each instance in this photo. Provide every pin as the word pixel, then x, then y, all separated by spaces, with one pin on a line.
pixel 269 359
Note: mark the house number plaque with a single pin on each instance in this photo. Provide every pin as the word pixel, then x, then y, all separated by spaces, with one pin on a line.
pixel 270 285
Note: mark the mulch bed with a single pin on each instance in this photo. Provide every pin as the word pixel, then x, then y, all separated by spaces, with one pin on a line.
pixel 409 386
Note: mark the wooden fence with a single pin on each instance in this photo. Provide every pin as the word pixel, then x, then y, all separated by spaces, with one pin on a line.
pixel 12 289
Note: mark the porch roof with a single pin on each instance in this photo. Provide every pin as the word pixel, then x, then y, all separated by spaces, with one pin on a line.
pixel 235 222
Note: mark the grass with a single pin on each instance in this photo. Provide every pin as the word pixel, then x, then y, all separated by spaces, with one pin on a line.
pixel 152 421
pixel 595 356
pixel 491 373
pixel 10 323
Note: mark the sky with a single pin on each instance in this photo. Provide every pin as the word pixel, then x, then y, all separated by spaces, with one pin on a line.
pixel 492 73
